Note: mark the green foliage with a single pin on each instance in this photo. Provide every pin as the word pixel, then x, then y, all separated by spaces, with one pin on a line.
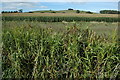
pixel 30 12
pixel 109 12
pixel 77 11
pixel 70 9
pixel 9 11
pixel 21 10
pixel 89 12
pixel 37 53
pixel 53 12
pixel 59 19
pixel 42 12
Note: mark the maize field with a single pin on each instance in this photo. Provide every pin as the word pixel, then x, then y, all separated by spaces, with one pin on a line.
pixel 59 18
pixel 32 52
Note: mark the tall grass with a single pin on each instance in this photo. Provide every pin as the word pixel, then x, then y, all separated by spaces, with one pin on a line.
pixel 39 53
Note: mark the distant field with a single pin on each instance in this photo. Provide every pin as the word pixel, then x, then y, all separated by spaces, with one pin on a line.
pixel 60 14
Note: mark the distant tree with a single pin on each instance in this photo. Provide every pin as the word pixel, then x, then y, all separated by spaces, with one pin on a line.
pixel 89 12
pixel 118 12
pixel 6 12
pixel 20 11
pixel 11 11
pixel 109 12
pixel 3 11
pixel 53 12
pixel 15 11
pixel 70 9
pixel 30 12
pixel 42 12
pixel 77 11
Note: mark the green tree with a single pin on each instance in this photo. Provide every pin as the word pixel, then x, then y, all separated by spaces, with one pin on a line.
pixel 77 11
pixel 53 12
pixel 109 12
pixel 21 10
pixel 70 9
pixel 89 12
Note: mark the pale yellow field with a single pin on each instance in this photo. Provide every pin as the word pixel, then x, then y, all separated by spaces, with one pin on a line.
pixel 60 14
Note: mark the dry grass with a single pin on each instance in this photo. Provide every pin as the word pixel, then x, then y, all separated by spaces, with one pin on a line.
pixel 60 14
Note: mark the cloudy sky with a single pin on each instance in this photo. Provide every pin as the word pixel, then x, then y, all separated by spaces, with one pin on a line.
pixel 35 6
pixel 60 0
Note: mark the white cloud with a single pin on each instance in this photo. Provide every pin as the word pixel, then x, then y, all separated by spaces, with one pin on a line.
pixel 9 8
pixel 43 7
pixel 60 1
pixel 15 5
pixel 20 5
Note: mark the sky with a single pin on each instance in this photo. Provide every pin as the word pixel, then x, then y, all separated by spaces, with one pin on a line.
pixel 36 6
pixel 59 0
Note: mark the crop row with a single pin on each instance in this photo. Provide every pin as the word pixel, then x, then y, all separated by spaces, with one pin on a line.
pixel 59 19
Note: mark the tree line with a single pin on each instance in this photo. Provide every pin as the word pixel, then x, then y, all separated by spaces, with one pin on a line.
pixel 109 12
pixel 19 11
